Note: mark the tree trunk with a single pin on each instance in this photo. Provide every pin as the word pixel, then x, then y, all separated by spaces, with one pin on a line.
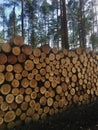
pixel 14 20
pixel 22 18
pixel 82 25
pixel 57 24
pixel 64 29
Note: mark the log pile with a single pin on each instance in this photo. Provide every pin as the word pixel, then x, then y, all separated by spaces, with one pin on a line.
pixel 40 82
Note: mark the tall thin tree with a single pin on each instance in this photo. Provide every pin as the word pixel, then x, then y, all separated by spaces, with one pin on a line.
pixel 22 17
pixel 64 29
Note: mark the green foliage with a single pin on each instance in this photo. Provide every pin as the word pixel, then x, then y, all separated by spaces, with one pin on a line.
pixel 11 24
pixel 45 8
pixel 1 38
pixel 94 41
pixel 80 19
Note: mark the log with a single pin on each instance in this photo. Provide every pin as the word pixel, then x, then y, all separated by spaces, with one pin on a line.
pixel 23 116
pixel 4 106
pixel 33 95
pixel 24 82
pixel 33 83
pixel 2 78
pixel 21 58
pixel 22 91
pixel 35 117
pixel 51 57
pixel 24 106
pixel 30 111
pixel 46 48
pixel 47 84
pixel 37 106
pixel 3 58
pixel 37 77
pixel 17 68
pixel 1 120
pixel 12 59
pixel 27 50
pixel 15 83
pixel 19 99
pixel 18 76
pixel 27 98
pixel 54 50
pixel 29 65
pixel 36 60
pixel 6 48
pixel 9 68
pixel 5 89
pixel 15 91
pixel 13 105
pixel 17 40
pixel 32 103
pixel 1 99
pixel 24 73
pixel 9 98
pixel 36 52
pixel 58 89
pixel 28 90
pixel 42 71
pixel 50 101
pixel 2 68
pixel 11 125
pixel 46 109
pixel 9 76
pixel 43 56
pixel 42 90
pixel 9 116
pixel 43 101
pixel 30 76
pixel 16 50
pixel 51 112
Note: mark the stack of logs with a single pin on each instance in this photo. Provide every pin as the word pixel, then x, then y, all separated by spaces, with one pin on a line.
pixel 35 83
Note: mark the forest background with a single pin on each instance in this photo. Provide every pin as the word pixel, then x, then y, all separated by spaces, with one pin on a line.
pixel 59 23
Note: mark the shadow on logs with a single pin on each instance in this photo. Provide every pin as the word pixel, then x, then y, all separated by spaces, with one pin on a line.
pixel 76 118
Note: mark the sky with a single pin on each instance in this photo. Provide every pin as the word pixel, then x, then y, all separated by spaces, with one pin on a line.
pixel 1 1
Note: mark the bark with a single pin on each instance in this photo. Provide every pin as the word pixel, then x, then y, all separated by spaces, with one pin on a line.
pixel 22 17
pixel 82 25
pixel 64 29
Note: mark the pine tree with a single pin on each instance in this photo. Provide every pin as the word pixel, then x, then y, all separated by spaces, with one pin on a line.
pixel 3 20
pixel 13 27
pixel 64 29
